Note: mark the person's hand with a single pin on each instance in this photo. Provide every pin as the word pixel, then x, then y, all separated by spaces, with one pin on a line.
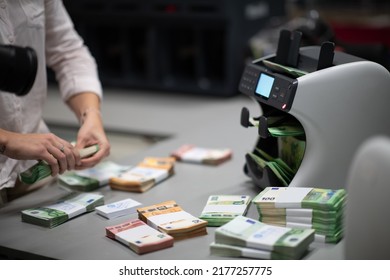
pixel 57 152
pixel 90 133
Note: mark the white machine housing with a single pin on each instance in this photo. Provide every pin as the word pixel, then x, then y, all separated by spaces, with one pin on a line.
pixel 339 107
pixel 366 228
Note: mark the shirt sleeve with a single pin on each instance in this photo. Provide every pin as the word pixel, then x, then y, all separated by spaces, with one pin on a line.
pixel 66 54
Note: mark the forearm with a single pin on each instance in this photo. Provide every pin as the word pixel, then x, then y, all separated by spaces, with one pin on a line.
pixel 3 140
pixel 84 105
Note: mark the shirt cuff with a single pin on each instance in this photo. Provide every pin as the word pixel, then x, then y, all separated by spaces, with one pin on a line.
pixel 79 85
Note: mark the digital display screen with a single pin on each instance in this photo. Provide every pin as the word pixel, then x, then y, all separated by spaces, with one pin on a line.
pixel 264 85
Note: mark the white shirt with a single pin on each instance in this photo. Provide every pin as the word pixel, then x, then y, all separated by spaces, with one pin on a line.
pixel 45 26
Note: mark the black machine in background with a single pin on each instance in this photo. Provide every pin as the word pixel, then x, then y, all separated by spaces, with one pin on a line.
pixel 18 68
pixel 192 46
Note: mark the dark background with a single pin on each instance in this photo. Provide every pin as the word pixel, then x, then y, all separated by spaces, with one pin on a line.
pixel 200 46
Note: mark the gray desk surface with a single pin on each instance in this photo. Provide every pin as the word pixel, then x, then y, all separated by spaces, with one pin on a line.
pixel 204 121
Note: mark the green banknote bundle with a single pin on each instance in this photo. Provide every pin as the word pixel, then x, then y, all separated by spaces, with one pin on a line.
pixel 263 240
pixel 42 169
pixel 291 143
pixel 92 178
pixel 225 250
pixel 316 208
pixel 291 151
pixel 221 209
pixel 281 170
pixel 295 72
pixel 281 126
pixel 70 206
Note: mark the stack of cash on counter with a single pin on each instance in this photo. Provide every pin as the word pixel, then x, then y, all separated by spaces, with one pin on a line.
pixel 90 179
pixel 194 154
pixel 316 208
pixel 148 173
pixel 118 208
pixel 170 218
pixel 139 237
pixel 70 206
pixel 221 209
pixel 245 237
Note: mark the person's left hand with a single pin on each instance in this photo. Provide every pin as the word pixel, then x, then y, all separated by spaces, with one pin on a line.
pixel 90 133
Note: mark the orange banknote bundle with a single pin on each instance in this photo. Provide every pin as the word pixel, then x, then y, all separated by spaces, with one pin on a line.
pixel 148 173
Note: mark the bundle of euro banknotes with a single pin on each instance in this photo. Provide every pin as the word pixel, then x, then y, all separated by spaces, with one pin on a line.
pixel 148 173
pixel 277 166
pixel 139 237
pixel 42 169
pixel 220 209
pixel 90 179
pixel 70 206
pixel 316 208
pixel 170 218
pixel 246 237
pixel 291 147
pixel 118 208
pixel 195 154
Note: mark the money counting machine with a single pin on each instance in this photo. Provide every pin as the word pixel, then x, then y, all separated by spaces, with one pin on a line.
pixel 335 99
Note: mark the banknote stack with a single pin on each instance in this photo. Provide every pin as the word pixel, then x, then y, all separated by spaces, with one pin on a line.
pixel 42 169
pixel 281 170
pixel 291 145
pixel 291 151
pixel 148 173
pixel 139 237
pixel 245 237
pixel 281 126
pixel 317 208
pixel 295 72
pixel 92 178
pixel 170 218
pixel 118 208
pixel 193 154
pixel 70 206
pixel 221 209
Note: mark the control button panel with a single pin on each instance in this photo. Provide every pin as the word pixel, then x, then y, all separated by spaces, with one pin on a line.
pixel 270 88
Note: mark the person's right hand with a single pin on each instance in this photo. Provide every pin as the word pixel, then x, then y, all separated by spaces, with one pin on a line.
pixel 57 152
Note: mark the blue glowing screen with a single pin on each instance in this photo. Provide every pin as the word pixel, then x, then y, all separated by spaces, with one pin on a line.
pixel 264 85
